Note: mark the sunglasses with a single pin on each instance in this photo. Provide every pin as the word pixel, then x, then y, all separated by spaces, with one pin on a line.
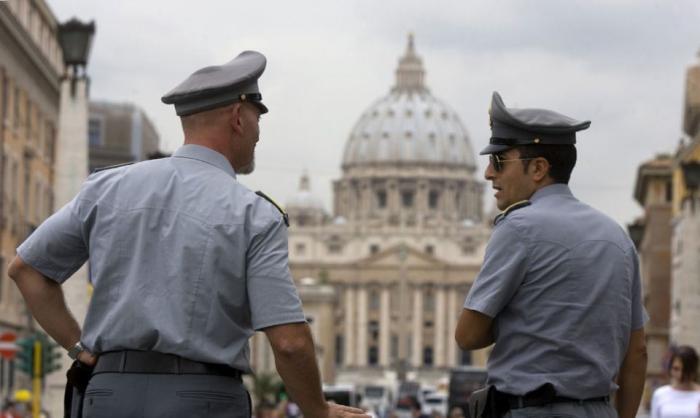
pixel 497 162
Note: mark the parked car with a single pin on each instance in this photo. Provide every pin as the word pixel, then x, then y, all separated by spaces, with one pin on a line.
pixel 435 402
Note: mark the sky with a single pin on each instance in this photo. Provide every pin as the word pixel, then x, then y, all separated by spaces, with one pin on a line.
pixel 619 63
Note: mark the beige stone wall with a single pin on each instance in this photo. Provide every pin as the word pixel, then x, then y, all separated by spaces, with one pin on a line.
pixel 28 117
pixel 653 191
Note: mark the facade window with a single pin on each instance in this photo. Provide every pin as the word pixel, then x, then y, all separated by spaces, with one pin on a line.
pixel 15 182
pixel 428 324
pixel 428 302
pixel 373 249
pixel 339 349
pixel 381 199
pixel 433 199
pixel 374 300
pixel 335 245
pixel 373 355
pixel 669 191
pixel 374 330
pixel 50 139
pixel 28 120
pixel 300 249
pixel 37 202
pixel 407 198
pixel 429 249
pixel 15 99
pixel 427 356
pixel 95 132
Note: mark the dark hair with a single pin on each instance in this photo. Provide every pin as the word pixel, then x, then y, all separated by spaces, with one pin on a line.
pixel 689 359
pixel 561 159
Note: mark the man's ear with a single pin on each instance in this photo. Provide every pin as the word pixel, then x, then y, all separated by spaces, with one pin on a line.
pixel 540 168
pixel 235 118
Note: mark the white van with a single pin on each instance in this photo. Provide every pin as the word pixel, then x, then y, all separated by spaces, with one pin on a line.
pixel 435 402
pixel 376 398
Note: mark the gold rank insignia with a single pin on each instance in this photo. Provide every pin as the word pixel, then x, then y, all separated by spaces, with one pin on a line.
pixel 515 206
pixel 285 216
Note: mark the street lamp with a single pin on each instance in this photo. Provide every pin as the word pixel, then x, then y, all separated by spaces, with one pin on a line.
pixel 75 38
pixel 636 232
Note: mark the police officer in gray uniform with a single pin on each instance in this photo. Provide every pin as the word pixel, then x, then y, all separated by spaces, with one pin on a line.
pixel 559 289
pixel 186 264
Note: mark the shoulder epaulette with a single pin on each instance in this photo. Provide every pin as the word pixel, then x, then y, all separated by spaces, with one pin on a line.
pixel 515 206
pixel 285 216
pixel 109 167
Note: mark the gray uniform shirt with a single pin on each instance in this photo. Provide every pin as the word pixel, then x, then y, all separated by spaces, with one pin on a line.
pixel 561 281
pixel 183 258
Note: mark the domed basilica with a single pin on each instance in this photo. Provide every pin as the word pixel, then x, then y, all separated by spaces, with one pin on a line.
pixel 383 278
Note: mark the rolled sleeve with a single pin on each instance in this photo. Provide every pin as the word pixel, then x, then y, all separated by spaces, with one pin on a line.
pixel 58 247
pixel 271 291
pixel 502 272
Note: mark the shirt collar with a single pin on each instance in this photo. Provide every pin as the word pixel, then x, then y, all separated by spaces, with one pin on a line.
pixel 206 155
pixel 552 189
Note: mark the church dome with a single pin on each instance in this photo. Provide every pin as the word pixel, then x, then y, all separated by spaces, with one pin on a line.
pixel 409 125
pixel 304 199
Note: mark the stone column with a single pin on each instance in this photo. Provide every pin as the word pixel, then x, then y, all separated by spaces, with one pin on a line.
pixel 417 333
pixel 385 328
pixel 361 353
pixel 439 326
pixel 349 357
pixel 71 166
pixel 453 312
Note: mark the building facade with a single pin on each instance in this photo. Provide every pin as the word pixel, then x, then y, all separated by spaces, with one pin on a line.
pixel 402 246
pixel 652 235
pixel 30 70
pixel 119 133
pixel 685 303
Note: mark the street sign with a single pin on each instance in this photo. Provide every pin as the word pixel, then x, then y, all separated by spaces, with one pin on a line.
pixel 8 348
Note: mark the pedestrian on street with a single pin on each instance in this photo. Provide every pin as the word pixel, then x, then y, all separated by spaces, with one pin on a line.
pixel 681 398
pixel 559 291
pixel 186 264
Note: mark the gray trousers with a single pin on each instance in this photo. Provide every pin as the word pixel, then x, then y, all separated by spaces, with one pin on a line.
pixel 123 395
pixel 566 410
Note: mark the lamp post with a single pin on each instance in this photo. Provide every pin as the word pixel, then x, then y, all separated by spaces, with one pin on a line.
pixel 75 38
pixel 71 167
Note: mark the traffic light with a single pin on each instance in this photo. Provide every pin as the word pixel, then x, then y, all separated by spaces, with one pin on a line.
pixel 25 355
pixel 51 357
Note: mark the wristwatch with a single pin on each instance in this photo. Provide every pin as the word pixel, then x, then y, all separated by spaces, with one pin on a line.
pixel 74 351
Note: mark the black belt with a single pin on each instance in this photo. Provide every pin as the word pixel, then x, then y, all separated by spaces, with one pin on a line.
pixel 540 397
pixel 130 361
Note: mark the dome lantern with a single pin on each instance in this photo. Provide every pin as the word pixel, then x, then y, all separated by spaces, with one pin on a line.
pixel 410 73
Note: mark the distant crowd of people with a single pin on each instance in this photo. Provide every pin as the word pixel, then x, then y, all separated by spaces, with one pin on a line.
pixel 680 398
